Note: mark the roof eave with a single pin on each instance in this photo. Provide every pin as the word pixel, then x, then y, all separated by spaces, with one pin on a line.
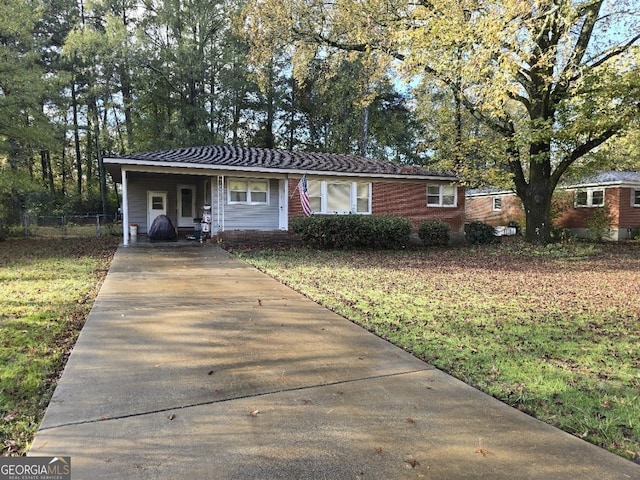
pixel 617 183
pixel 124 163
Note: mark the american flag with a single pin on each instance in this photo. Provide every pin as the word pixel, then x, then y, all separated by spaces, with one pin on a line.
pixel 304 196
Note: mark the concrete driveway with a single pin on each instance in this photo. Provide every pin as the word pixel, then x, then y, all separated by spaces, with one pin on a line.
pixel 194 365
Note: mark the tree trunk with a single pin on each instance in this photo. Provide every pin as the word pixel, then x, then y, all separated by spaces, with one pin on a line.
pixel 536 194
pixel 76 137
pixel 102 175
pixel 47 172
pixel 292 120
pixel 364 134
pixel 459 157
pixel 537 205
pixel 63 169
pixel 269 139
pixel 127 100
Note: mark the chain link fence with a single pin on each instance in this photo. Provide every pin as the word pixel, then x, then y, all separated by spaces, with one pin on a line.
pixel 71 226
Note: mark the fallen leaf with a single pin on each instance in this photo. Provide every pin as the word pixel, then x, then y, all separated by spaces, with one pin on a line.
pixel 378 449
pixel 254 413
pixel 172 416
pixel 412 462
pixel 412 421
pixel 481 450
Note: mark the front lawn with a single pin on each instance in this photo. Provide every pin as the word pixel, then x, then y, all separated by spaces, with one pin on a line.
pixel 47 288
pixel 554 332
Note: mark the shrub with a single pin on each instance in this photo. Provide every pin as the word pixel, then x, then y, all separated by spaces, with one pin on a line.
pixel 598 224
pixel 479 233
pixel 352 231
pixel 434 233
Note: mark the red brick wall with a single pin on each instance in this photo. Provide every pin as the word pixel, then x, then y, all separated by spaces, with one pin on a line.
pixel 629 215
pixel 409 199
pixel 402 199
pixel 617 199
pixel 481 209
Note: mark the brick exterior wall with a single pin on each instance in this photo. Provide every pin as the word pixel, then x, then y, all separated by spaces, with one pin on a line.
pixel 629 214
pixel 623 214
pixel 481 209
pixel 400 199
pixel 618 199
pixel 405 199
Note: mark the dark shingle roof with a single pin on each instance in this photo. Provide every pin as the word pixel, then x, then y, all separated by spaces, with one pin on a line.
pixel 238 158
pixel 609 177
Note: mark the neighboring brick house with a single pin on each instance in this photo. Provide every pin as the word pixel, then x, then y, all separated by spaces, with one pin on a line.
pixel 500 208
pixel 614 193
pixel 257 189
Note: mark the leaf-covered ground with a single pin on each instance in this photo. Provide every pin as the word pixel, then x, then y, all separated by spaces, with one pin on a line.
pixel 554 332
pixel 47 288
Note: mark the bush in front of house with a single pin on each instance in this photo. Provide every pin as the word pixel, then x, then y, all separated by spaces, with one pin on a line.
pixel 480 233
pixel 434 233
pixel 352 231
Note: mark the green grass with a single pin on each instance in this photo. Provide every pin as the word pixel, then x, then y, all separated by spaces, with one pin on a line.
pixel 553 332
pixel 47 288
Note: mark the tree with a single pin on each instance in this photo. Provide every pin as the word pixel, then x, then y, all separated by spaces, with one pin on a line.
pixel 21 77
pixel 552 79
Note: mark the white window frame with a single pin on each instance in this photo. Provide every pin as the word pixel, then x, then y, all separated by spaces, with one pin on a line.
pixel 442 195
pixel 635 197
pixel 353 197
pixel 496 204
pixel 589 202
pixel 248 191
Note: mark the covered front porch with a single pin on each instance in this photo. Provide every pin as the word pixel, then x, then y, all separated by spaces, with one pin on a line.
pixel 235 202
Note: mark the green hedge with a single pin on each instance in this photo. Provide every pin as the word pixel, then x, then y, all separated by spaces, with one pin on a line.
pixel 352 231
pixel 479 233
pixel 434 232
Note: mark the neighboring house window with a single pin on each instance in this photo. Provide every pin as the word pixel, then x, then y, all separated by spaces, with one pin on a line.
pixel 497 203
pixel 590 198
pixel 635 198
pixel 339 197
pixel 248 191
pixel 442 195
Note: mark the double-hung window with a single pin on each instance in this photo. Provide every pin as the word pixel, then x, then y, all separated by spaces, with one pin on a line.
pixel 442 195
pixel 339 197
pixel 589 198
pixel 497 204
pixel 253 192
pixel 635 197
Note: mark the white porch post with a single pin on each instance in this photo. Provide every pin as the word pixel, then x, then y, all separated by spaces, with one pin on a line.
pixel 283 220
pixel 125 209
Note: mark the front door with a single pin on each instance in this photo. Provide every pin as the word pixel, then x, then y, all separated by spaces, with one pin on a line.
pixel 186 205
pixel 156 205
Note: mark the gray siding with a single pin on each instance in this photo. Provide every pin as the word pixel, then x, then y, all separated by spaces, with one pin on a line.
pixel 251 217
pixel 139 184
pixel 236 217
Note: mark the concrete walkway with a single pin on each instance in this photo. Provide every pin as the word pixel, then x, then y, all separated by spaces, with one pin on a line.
pixel 193 365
